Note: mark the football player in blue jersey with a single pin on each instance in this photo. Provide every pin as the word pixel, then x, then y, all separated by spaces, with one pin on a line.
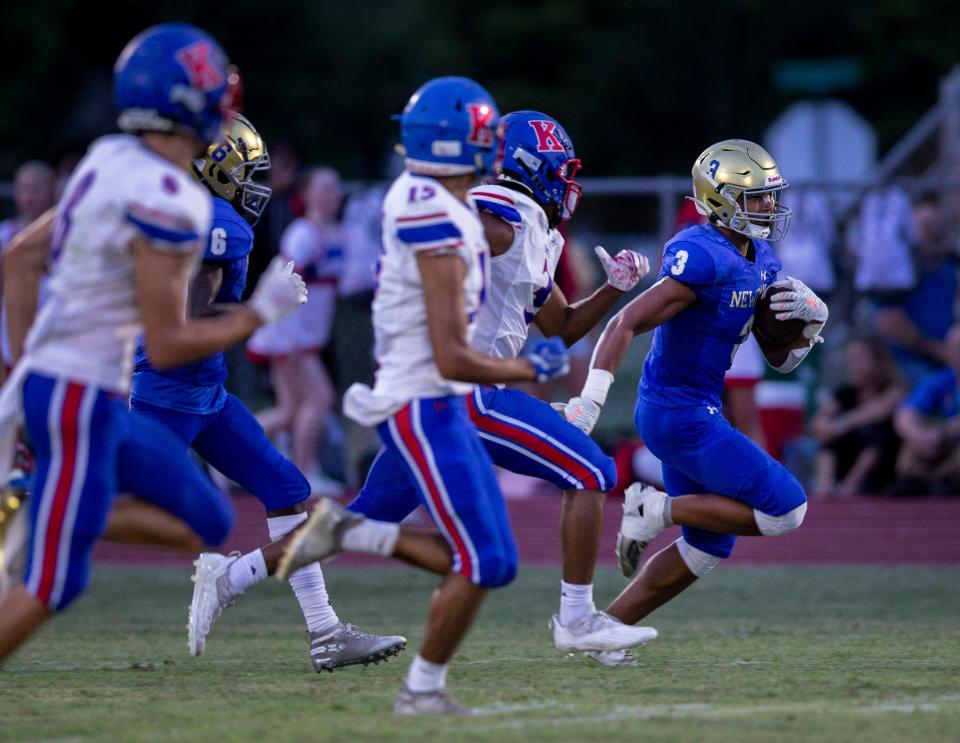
pixel 719 484
pixel 192 402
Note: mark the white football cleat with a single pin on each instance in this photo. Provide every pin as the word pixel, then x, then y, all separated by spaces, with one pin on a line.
pixel 598 631
pixel 211 595
pixel 642 521
pixel 428 703
pixel 613 658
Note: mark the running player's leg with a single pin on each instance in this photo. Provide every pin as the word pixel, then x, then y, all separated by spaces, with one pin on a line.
pixel 736 489
pixel 674 568
pixel 134 520
pixel 234 442
pixel 526 435
pixel 153 464
pixel 748 492
pixel 74 429
pixel 456 482
pixel 443 455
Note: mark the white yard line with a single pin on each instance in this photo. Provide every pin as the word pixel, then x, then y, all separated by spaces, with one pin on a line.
pixel 718 712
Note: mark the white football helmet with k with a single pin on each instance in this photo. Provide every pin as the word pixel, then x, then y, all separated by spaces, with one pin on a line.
pixel 229 166
pixel 729 172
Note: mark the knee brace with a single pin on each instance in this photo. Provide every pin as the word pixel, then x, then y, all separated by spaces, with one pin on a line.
pixel 699 562
pixel 774 526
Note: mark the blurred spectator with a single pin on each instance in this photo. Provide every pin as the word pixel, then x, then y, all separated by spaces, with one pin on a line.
pixel 806 251
pixel 881 240
pixel 285 204
pixel 854 425
pixel 304 393
pixel 33 194
pixel 929 424
pixel 917 322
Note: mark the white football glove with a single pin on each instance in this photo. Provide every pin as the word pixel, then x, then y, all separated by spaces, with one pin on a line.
pixel 625 269
pixel 279 291
pixel 799 302
pixel 582 412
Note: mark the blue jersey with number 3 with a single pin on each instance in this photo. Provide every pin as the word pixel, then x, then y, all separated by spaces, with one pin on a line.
pixel 692 351
pixel 196 388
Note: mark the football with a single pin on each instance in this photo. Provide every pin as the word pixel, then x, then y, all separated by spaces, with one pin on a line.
pixel 769 329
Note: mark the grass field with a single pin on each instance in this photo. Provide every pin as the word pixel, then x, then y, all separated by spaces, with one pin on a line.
pixel 751 654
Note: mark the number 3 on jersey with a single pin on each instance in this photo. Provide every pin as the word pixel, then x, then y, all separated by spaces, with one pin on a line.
pixel 679 263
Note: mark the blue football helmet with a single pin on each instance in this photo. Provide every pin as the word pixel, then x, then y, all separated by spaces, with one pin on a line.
pixel 448 127
pixel 171 78
pixel 538 156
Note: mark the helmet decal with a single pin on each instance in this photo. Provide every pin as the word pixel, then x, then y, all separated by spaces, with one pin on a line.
pixel 201 71
pixel 481 115
pixel 547 140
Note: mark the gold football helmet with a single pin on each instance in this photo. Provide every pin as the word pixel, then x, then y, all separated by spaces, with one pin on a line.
pixel 230 164
pixel 726 174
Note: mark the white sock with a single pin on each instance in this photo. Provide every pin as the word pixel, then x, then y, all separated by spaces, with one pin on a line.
pixel 426 676
pixel 372 537
pixel 576 602
pixel 307 583
pixel 247 570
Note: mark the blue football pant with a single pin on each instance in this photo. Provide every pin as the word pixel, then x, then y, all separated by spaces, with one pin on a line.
pixel 88 448
pixel 521 434
pixel 233 441
pixel 702 453
pixel 431 444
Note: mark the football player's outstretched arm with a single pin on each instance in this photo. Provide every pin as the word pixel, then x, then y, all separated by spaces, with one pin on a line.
pixel 171 338
pixel 573 321
pixel 442 277
pixel 655 306
pixel 24 263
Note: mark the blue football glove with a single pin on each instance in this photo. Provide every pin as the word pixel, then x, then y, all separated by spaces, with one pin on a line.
pixel 549 358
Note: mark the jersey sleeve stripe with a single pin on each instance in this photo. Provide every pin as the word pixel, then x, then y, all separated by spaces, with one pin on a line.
pixel 444 231
pixel 500 210
pixel 488 195
pixel 158 225
pixel 422 217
